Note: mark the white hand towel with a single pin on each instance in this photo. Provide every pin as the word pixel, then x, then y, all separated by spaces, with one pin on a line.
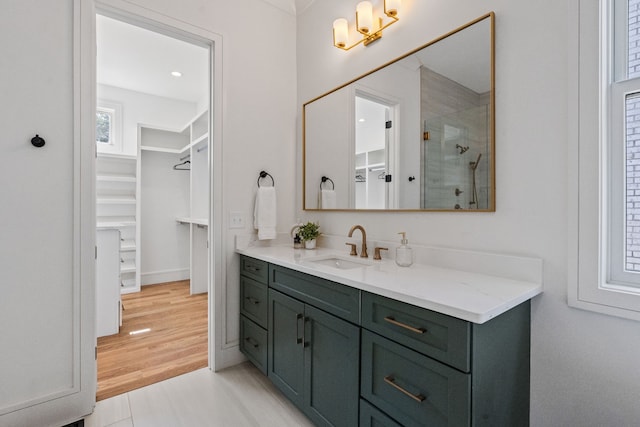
pixel 264 214
pixel 327 199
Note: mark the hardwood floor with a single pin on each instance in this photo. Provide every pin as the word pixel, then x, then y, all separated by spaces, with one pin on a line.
pixel 176 342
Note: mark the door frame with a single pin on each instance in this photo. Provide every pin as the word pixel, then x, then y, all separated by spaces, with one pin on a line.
pixel 391 137
pixel 145 18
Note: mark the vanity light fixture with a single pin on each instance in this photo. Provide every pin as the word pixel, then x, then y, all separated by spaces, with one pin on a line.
pixel 369 27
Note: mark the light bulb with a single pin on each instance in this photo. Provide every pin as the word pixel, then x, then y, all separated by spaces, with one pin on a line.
pixel 364 17
pixel 340 32
pixel 391 7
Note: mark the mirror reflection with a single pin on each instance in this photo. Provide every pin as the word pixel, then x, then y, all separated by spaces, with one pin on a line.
pixel 416 134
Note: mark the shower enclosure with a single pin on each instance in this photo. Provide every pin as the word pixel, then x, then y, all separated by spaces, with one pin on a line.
pixel 455 153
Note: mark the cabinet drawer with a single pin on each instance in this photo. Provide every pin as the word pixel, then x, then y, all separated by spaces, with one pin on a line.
pixel 339 300
pixel 253 300
pixel 413 389
pixel 253 343
pixel 254 268
pixel 442 337
pixel 370 416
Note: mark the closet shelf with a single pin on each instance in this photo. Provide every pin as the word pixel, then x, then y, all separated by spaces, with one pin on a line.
pixel 117 156
pixel 116 200
pixel 116 178
pixel 162 150
pixel 128 246
pixel 117 183
pixel 200 139
pixel 128 267
pixel 115 221
pixel 197 221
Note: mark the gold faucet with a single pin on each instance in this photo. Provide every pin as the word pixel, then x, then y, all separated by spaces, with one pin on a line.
pixel 363 253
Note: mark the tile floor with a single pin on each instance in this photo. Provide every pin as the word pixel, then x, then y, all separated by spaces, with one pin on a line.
pixel 236 397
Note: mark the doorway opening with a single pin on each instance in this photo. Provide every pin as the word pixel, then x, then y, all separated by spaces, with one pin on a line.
pixel 153 202
pixel 374 152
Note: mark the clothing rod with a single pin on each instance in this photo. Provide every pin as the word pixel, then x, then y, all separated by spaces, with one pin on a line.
pixel 202 148
pixel 185 157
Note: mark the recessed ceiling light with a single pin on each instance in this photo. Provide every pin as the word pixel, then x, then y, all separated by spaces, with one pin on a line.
pixel 176 74
pixel 362 120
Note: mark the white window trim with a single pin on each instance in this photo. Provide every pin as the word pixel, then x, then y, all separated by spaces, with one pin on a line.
pixel 115 145
pixel 588 286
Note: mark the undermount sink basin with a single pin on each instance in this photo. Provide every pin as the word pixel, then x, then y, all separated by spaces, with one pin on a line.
pixel 340 262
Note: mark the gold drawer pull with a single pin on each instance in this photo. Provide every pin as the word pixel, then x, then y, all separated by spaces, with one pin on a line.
pixel 391 381
pixel 405 326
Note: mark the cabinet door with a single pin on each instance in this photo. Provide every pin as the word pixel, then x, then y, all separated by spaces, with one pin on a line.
pixel 332 349
pixel 108 282
pixel 286 351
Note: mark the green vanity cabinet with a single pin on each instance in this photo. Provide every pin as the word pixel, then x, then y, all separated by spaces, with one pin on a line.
pixel 423 368
pixel 253 311
pixel 313 359
pixel 347 357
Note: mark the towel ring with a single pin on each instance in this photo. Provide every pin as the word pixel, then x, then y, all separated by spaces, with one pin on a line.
pixel 264 174
pixel 325 179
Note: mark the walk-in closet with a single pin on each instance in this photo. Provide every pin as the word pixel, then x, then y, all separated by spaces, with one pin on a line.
pixel 152 204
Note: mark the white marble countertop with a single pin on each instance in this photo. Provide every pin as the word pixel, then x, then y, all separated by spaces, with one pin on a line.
pixel 471 296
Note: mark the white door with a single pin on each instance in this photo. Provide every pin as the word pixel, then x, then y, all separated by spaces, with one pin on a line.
pixel 47 326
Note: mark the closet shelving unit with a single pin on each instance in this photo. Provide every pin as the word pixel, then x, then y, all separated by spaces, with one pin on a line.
pixel 370 168
pixel 116 201
pixel 192 143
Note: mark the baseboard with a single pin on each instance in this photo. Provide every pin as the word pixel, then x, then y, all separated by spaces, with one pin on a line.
pixel 228 357
pixel 153 277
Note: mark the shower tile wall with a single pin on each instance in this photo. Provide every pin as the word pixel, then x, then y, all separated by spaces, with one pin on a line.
pixel 453 115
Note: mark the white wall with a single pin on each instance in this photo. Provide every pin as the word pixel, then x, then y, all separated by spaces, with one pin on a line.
pixel 328 144
pixel 164 243
pixel 140 107
pixel 584 366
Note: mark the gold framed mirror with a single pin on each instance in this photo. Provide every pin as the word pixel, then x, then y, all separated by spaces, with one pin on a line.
pixel 415 134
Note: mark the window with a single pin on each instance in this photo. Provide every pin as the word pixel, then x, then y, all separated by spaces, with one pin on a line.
pixel 605 165
pixel 104 126
pixel 109 126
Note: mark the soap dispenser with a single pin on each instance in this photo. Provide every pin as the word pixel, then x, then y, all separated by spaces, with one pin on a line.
pixel 404 254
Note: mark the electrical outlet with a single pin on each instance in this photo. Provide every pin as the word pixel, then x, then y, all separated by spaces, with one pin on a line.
pixel 236 220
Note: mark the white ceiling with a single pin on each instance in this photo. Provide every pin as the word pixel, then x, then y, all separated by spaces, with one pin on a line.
pixel 137 59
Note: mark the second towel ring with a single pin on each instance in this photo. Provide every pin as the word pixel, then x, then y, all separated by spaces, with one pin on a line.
pixel 325 179
pixel 264 174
